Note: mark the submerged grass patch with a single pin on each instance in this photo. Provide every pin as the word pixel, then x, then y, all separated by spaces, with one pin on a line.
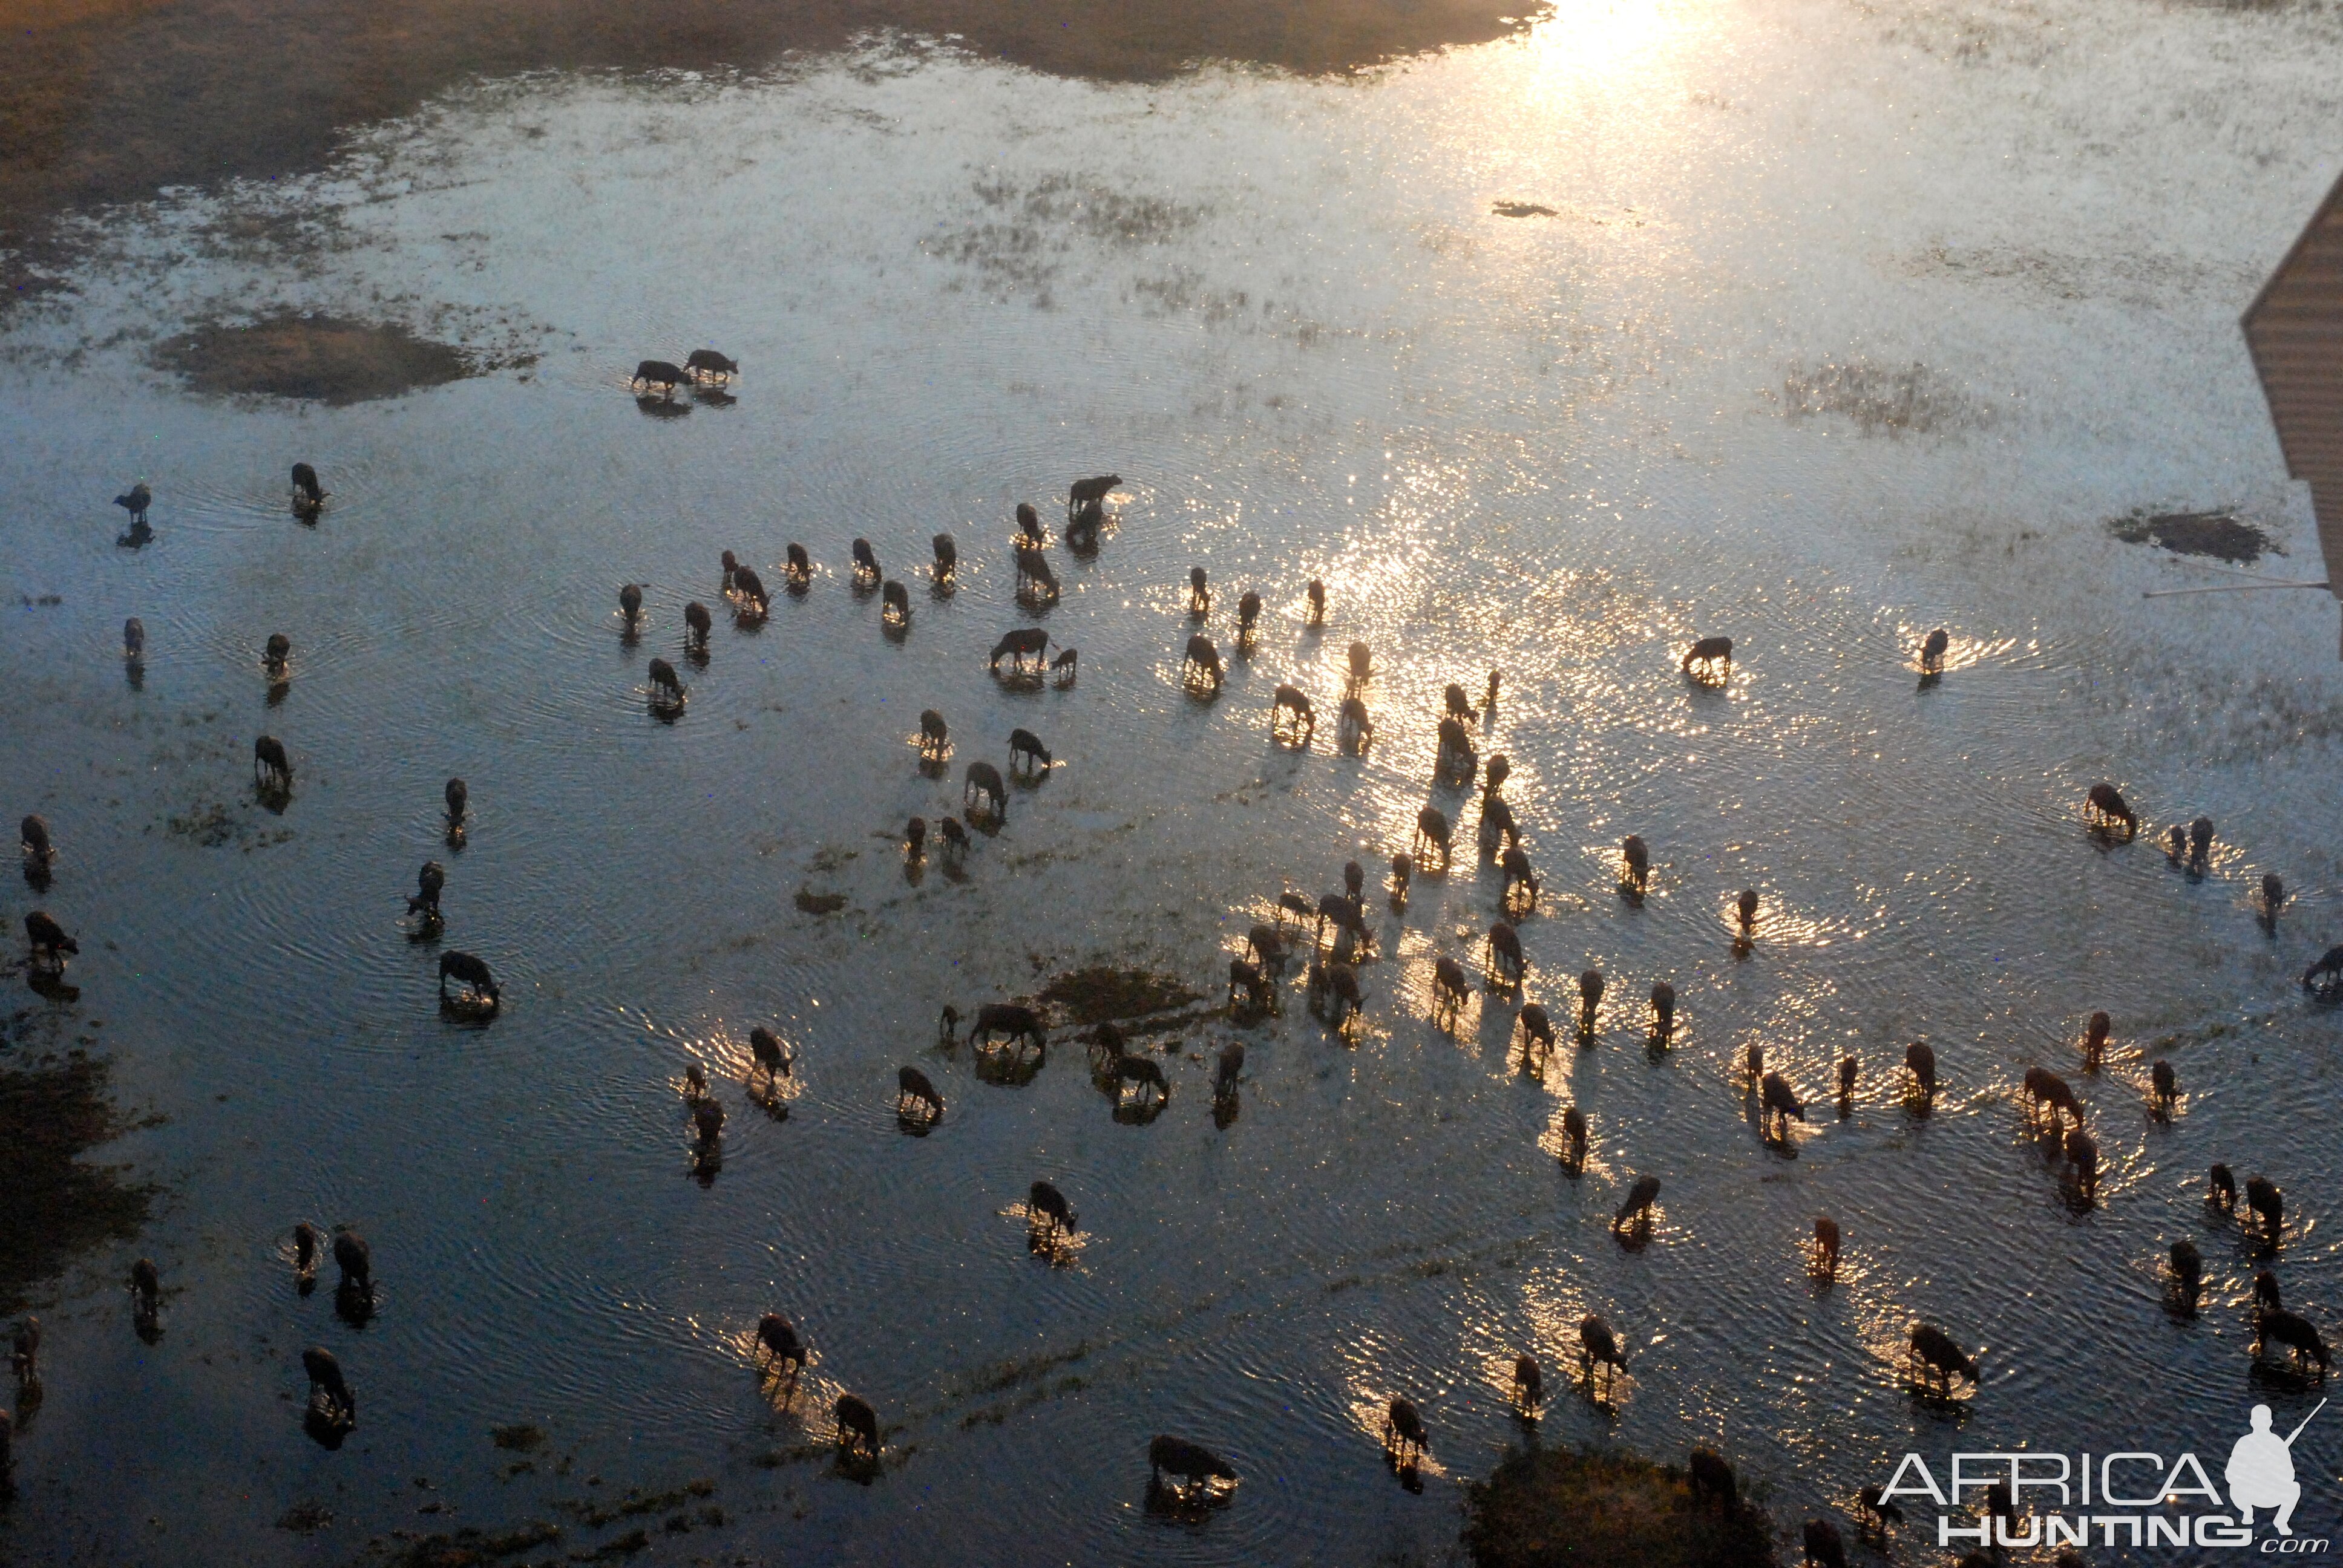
pixel 2215 534
pixel 1102 994
pixel 1548 1507
pixel 318 358
pixel 53 1111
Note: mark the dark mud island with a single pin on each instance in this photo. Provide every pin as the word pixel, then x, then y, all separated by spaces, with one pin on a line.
pixel 929 782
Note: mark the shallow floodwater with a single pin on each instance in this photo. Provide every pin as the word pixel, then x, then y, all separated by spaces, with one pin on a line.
pixel 1845 324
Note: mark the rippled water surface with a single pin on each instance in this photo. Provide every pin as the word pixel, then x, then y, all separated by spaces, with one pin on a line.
pixel 1843 324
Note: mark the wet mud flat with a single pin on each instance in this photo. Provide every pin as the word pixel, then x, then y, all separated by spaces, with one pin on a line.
pixel 323 359
pixel 260 88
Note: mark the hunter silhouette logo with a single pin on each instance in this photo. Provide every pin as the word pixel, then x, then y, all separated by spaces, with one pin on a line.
pixel 2128 1498
pixel 2260 1473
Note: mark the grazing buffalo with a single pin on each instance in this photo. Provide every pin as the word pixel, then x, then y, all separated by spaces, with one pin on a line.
pixel 1047 1212
pixel 2105 808
pixel 1336 985
pixel 1086 492
pixel 1024 643
pixel 947 557
pixel 1227 1070
pixel 1500 767
pixel 779 1343
pixel 955 838
pixel 1663 1009
pixel 858 1429
pixel 797 567
pixel 1203 662
pixel 2095 1040
pixel 1034 573
pixel 1598 1346
pixel 708 364
pixel 1290 711
pixel 2046 1089
pixel 1084 530
pixel 1248 612
pixel 1405 1442
pixel 983 783
pixel 1361 662
pixel 1006 1019
pixel 1932 651
pixel 1026 753
pixel 1431 830
pixel 1065 666
pixel 915 1097
pixel 915 839
pixel 1250 989
pixel 1518 878
pixel 1824 1549
pixel 1935 1358
pixel 2295 1334
pixel 1710 658
pixel 2221 1189
pixel 667 687
pixel 935 736
pixel 1920 1061
pixel 749 589
pixel 1199 597
pixel 1529 1384
pixel 1142 1073
pixel 1497 825
pixel 630 604
pixel 33 837
pixel 1029 525
pixel 659 376
pixel 2187 1272
pixel 1573 1140
pixel 277 653
pixel 1502 960
pixel 1635 865
pixel 770 1056
pixel 271 768
pixel 1849 1070
pixel 2082 1152
pixel 2264 1206
pixel 329 1391
pixel 1536 1031
pixel 469 973
pixel 459 796
pixel 356 1261
pixel 1192 1462
pixel 307 1239
pixel 1457 761
pixel 1315 592
pixel 1450 989
pixel 2163 1086
pixel 1745 908
pixel 428 882
pixel 1403 871
pixel 696 625
pixel 895 603
pixel 1267 947
pixel 48 943
pixel 1636 1213
pixel 136 500
pixel 865 562
pixel 308 494
pixel 2273 895
pixel 1458 705
pixel 2324 979
pixel 134 638
pixel 1354 730
pixel 1826 1242
pixel 1777 1103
